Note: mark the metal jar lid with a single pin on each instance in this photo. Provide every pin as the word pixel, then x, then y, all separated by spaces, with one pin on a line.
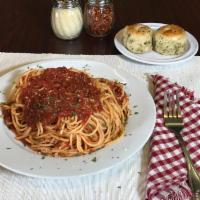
pixel 65 3
pixel 99 2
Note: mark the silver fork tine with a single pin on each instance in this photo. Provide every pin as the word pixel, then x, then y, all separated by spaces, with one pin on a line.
pixel 171 104
pixel 178 105
pixel 165 105
pixel 174 106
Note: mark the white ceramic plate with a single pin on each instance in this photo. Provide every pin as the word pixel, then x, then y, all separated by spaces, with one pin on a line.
pixel 153 57
pixel 18 158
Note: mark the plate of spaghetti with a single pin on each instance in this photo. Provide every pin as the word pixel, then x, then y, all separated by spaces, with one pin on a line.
pixel 71 117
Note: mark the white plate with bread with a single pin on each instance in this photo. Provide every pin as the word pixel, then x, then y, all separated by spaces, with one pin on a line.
pixel 156 43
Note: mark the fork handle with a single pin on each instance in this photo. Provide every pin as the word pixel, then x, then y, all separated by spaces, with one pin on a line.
pixel 193 176
pixel 196 196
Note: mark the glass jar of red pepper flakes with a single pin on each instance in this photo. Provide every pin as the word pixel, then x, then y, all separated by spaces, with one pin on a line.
pixel 98 17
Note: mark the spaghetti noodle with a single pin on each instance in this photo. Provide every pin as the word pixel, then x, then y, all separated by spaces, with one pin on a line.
pixel 66 112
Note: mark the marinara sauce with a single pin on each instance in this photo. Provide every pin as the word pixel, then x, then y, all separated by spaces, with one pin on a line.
pixel 59 92
pixel 117 90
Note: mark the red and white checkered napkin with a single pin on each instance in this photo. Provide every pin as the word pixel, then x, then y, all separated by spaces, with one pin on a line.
pixel 167 176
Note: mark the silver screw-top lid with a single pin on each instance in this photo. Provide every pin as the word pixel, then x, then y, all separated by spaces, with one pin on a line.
pixel 99 2
pixel 65 3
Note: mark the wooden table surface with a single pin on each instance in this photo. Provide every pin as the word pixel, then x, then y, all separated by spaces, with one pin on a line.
pixel 25 25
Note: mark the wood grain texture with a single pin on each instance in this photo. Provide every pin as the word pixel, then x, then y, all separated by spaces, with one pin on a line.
pixel 25 25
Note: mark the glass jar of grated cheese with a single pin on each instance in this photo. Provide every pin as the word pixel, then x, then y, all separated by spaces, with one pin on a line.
pixel 66 19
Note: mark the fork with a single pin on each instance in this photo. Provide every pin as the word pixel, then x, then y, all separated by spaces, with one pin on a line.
pixel 173 120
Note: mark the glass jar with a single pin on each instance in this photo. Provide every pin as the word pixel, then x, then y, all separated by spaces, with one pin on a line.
pixel 98 17
pixel 66 19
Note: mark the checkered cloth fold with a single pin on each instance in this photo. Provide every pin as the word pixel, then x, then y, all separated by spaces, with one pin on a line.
pixel 167 176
